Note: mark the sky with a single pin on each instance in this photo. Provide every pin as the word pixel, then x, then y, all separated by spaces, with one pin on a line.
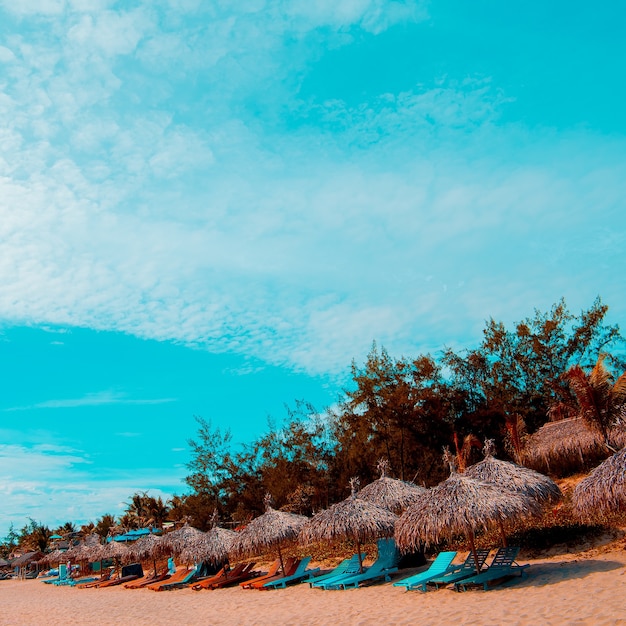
pixel 211 208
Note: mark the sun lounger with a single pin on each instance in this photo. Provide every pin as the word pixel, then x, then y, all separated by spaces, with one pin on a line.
pixel 347 566
pixel 441 565
pixel 273 571
pixel 118 581
pixel 459 572
pixel 301 573
pixel 103 578
pixel 176 582
pixel 178 576
pixel 385 565
pixel 203 583
pixel 148 579
pixel 246 574
pixel 291 565
pixel 502 566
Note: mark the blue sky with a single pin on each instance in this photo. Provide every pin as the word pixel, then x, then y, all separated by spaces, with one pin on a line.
pixel 212 208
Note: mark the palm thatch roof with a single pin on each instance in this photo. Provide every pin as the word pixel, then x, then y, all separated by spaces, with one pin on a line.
pixel 267 531
pixel 117 551
pixel 213 547
pixel 390 493
pixel 53 557
pixel 514 477
pixel 28 557
pixel 179 539
pixel 145 547
pixel 459 506
pixel 353 518
pixel 604 490
pixel 558 443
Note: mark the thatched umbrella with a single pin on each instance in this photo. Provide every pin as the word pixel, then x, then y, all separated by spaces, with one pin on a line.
pixel 513 478
pixel 604 490
pixel 353 518
pixel 390 493
pixel 268 531
pixel 459 506
pixel 119 552
pixel 556 443
pixel 213 547
pixel 145 548
pixel 53 557
pixel 176 542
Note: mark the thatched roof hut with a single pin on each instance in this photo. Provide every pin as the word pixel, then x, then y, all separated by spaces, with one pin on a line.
pixel 180 539
pixel 513 477
pixel 212 548
pixel 459 506
pixel 27 559
pixel 390 493
pixel 353 518
pixel 604 490
pixel 567 442
pixel 268 531
pixel 147 547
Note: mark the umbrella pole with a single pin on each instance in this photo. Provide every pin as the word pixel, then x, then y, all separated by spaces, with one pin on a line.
pixel 358 549
pixel 504 542
pixel 282 565
pixel 470 537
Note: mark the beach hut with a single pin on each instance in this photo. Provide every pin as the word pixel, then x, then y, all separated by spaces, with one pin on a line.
pixel 353 518
pixel 269 531
pixel 390 493
pixel 459 506
pixel 604 490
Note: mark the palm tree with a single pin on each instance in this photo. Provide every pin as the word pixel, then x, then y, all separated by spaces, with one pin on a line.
pixel 600 401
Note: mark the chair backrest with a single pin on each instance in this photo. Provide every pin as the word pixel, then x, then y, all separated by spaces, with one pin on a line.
pixel 388 554
pixel 469 561
pixel 505 557
pixel 442 562
pixel 302 565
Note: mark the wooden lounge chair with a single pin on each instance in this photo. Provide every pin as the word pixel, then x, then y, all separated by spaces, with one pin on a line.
pixel 247 574
pixel 441 565
pixel 503 566
pixel 179 575
pixel 385 565
pixel 147 580
pixel 348 566
pixel 465 570
pixel 104 577
pixel 174 582
pixel 117 581
pixel 203 583
pixel 273 571
pixel 291 565
pixel 301 573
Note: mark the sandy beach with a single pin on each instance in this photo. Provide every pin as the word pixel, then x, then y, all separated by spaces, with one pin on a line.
pixel 567 589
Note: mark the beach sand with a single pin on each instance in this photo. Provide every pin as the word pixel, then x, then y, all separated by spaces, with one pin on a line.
pixel 566 589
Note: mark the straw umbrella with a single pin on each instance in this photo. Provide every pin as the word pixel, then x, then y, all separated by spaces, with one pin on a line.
pixel 557 443
pixel 213 547
pixel 145 548
pixel 180 539
pixel 513 478
pixel 390 493
pixel 459 506
pixel 268 531
pixel 353 518
pixel 604 490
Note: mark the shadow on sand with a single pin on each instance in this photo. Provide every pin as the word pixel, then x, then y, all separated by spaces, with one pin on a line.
pixel 541 574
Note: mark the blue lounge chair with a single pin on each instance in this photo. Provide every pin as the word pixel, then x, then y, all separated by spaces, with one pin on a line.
pixel 441 565
pixel 300 574
pixel 385 565
pixel 347 566
pixel 459 572
pixel 502 566
pixel 191 574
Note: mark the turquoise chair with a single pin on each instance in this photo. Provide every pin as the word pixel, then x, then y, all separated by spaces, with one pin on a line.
pixel 347 566
pixel 467 569
pixel 385 565
pixel 441 565
pixel 300 574
pixel 502 566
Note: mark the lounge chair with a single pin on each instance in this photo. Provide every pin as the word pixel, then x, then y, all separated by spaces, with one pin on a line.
pixel 502 566
pixel 178 576
pixel 347 566
pixel 459 572
pixel 273 571
pixel 291 564
pixel 385 565
pixel 148 579
pixel 441 565
pixel 301 573
pixel 246 574
pixel 108 575
pixel 119 580
pixel 176 582
pixel 204 582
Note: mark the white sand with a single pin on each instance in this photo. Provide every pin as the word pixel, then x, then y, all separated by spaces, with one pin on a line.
pixel 588 589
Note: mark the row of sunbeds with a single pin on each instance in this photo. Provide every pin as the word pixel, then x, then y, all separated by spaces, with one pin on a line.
pixel 348 574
